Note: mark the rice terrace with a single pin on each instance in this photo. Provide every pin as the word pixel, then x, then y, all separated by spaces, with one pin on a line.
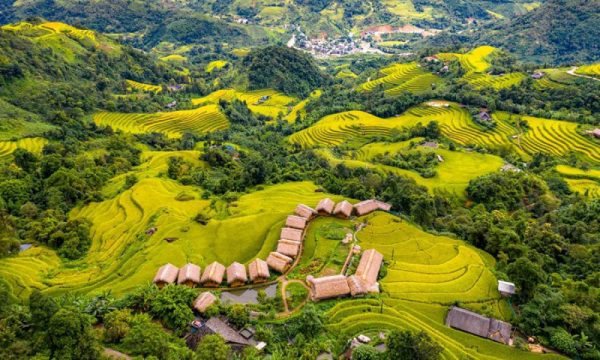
pixel 299 180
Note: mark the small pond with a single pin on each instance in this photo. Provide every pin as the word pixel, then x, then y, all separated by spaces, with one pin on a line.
pixel 247 296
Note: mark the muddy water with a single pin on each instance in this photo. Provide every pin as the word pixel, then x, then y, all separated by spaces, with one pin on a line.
pixel 247 296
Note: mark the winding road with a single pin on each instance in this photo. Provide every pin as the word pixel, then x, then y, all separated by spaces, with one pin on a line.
pixel 572 72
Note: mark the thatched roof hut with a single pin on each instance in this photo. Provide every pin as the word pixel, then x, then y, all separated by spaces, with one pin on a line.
pixel 368 268
pixel 236 274
pixel 189 275
pixel 368 206
pixel 305 211
pixel 213 275
pixel 596 133
pixel 328 287
pixel 204 301
pixel 279 262
pixel 288 247
pixel 296 222
pixel 325 206
pixel 343 209
pixel 167 274
pixel 259 271
pixel 473 323
pixel 357 286
pixel 291 234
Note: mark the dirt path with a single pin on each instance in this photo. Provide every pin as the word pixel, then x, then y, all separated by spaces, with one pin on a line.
pixel 284 283
pixel 572 72
pixel 114 354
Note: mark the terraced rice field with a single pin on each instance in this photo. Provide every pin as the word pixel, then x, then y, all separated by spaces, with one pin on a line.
pixel 399 78
pixel 134 85
pixel 590 70
pixel 276 104
pixel 59 27
pixel 122 257
pixel 346 74
pixel 215 65
pixel 298 109
pixel 356 126
pixel 558 138
pixel 585 182
pixel 175 58
pixel 453 174
pixel 364 316
pixel 33 145
pixel 496 82
pixel 173 124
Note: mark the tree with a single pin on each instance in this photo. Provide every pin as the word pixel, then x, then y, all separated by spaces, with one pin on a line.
pixel 365 352
pixel 406 345
pixel 212 347
pixel 526 275
pixel 116 325
pixel 42 308
pixel 146 338
pixel 70 336
pixel 238 315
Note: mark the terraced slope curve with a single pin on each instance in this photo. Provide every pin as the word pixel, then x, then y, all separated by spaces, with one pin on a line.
pixel 173 124
pixel 33 145
pixel 265 102
pixel 399 78
pixel 590 70
pixel 134 85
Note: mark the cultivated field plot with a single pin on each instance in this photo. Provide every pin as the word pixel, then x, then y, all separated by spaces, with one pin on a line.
pixel 399 78
pixel 357 126
pixel 215 65
pixel 33 145
pixel 134 85
pixel 585 182
pixel 272 104
pixel 590 70
pixel 173 124
pixel 122 256
pixel 558 138
pixel 475 63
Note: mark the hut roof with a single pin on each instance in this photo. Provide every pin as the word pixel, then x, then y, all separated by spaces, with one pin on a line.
pixel 326 206
pixel 291 234
pixel 328 287
pixel 368 206
pixel 189 272
pixel 218 326
pixel 258 269
pixel 506 287
pixel 369 265
pixel 305 211
pixel 357 286
pixel 596 133
pixel 204 301
pixel 479 325
pixel 278 262
pixel 288 247
pixel 166 274
pixel 296 222
pixel 213 272
pixel 236 272
pixel 343 208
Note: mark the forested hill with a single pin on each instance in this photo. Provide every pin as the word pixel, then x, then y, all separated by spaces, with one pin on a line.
pixel 558 32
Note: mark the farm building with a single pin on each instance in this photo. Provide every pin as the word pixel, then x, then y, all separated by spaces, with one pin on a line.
pixel 288 247
pixel 213 275
pixel 537 75
pixel 343 209
pixel 357 286
pixel 325 206
pixel 506 288
pixel 204 301
pixel 258 271
pixel 368 269
pixel 305 211
pixel 236 275
pixel 167 274
pixel 296 222
pixel 484 116
pixel 279 262
pixel 291 234
pixel 328 287
pixel 479 325
pixel 217 326
pixel 189 275
pixel 368 206
pixel 510 167
pixel 595 133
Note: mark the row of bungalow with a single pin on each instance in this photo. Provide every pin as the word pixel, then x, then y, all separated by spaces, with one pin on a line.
pixel 362 282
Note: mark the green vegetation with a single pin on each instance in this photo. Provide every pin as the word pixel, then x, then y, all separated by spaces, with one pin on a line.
pixel 400 78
